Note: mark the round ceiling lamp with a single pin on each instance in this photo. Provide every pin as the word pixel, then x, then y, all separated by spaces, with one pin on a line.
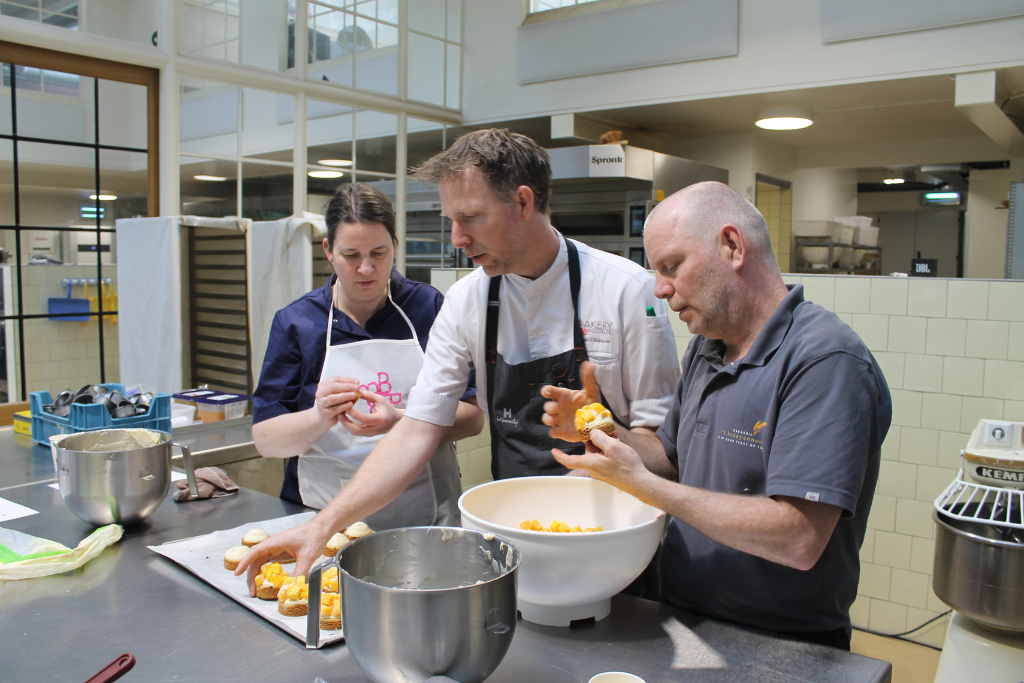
pixel 784 118
pixel 335 162
pixel 325 174
pixel 210 178
pixel 104 197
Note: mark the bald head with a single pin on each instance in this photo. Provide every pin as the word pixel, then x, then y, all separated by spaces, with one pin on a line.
pixel 703 208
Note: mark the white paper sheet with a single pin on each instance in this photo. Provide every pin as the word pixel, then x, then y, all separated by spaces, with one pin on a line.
pixel 204 557
pixel 9 510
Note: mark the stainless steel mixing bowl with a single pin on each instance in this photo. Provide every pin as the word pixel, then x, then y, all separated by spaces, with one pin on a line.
pixel 424 601
pixel 979 574
pixel 107 477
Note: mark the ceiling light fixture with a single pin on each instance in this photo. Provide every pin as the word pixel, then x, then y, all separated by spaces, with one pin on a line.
pixel 104 197
pixel 211 178
pixel 894 181
pixel 343 163
pixel 325 174
pixel 784 118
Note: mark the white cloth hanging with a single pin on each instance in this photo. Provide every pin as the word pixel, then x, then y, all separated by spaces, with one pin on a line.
pixel 279 258
pixel 150 296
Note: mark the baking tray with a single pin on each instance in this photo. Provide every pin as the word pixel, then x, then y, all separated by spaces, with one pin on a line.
pixel 204 557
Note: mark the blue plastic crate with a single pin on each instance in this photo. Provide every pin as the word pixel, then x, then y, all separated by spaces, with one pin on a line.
pixel 90 417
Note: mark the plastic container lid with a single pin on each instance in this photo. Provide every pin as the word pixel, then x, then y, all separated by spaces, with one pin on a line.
pixel 220 399
pixel 192 395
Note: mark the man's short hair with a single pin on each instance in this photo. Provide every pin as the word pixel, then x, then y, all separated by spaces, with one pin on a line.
pixel 506 160
pixel 710 205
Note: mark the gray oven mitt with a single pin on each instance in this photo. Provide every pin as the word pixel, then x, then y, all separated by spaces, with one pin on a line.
pixel 212 482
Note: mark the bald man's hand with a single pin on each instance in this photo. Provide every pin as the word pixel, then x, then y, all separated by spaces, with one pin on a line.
pixel 560 410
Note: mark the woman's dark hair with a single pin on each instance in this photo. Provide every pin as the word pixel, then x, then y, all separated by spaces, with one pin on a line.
pixel 359 203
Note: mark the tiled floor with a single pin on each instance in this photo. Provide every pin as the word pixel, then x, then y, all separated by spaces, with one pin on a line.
pixel 910 663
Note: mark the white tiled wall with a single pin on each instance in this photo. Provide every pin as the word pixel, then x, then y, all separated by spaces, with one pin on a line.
pixel 60 354
pixel 952 352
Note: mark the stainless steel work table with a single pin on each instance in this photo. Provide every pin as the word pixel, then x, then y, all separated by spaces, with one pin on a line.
pixel 130 599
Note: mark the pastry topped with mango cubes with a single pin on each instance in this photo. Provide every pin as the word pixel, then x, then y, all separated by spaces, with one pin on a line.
pixel 293 596
pixel 594 416
pixel 269 581
pixel 330 611
pixel 329 580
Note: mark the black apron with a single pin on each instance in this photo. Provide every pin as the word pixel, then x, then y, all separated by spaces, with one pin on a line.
pixel 520 445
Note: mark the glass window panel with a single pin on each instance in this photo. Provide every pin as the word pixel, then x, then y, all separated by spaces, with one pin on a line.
pixel 424 140
pixel 426 69
pixel 266 192
pixel 455 20
pixel 268 130
pixel 136 21
pixel 332 41
pixel 8 281
pixel 387 35
pixel 210 29
pixel 209 117
pixel 427 16
pixel 55 183
pixel 368 8
pixel 375 141
pixel 329 130
pixel 387 10
pixel 377 69
pixel 453 79
pixel 71 350
pixel 40 115
pixel 5 100
pixel 319 190
pixel 123 176
pixel 214 192
pixel 266 28
pixel 7 184
pixel 123 114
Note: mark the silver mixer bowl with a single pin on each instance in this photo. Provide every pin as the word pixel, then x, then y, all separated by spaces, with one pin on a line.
pixel 978 573
pixel 427 601
pixel 105 478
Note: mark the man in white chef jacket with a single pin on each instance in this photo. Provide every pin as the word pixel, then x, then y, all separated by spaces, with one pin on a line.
pixel 537 309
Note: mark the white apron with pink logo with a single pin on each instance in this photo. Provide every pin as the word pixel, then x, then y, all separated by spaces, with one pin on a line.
pixel 387 367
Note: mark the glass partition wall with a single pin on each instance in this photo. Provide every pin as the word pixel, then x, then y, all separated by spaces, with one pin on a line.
pixel 246 129
pixel 75 155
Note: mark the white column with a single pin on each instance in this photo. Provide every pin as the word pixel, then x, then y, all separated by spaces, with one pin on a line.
pixel 167 37
pixel 299 194
pixel 401 135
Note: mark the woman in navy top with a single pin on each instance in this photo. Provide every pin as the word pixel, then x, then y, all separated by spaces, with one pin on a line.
pixel 327 398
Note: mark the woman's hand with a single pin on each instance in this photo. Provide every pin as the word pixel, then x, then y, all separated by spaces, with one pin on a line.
pixel 381 418
pixel 560 411
pixel 334 397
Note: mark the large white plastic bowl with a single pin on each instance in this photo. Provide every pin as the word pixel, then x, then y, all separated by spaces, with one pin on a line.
pixel 564 577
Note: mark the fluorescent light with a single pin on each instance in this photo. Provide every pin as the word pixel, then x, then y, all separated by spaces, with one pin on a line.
pixel 335 162
pixel 325 174
pixel 783 118
pixel 894 181
pixel 104 197
pixel 941 198
pixel 211 178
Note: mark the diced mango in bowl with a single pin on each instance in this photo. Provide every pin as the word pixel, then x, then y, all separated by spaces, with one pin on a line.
pixel 556 527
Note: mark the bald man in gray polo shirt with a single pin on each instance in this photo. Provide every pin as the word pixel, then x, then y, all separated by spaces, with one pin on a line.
pixel 768 459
